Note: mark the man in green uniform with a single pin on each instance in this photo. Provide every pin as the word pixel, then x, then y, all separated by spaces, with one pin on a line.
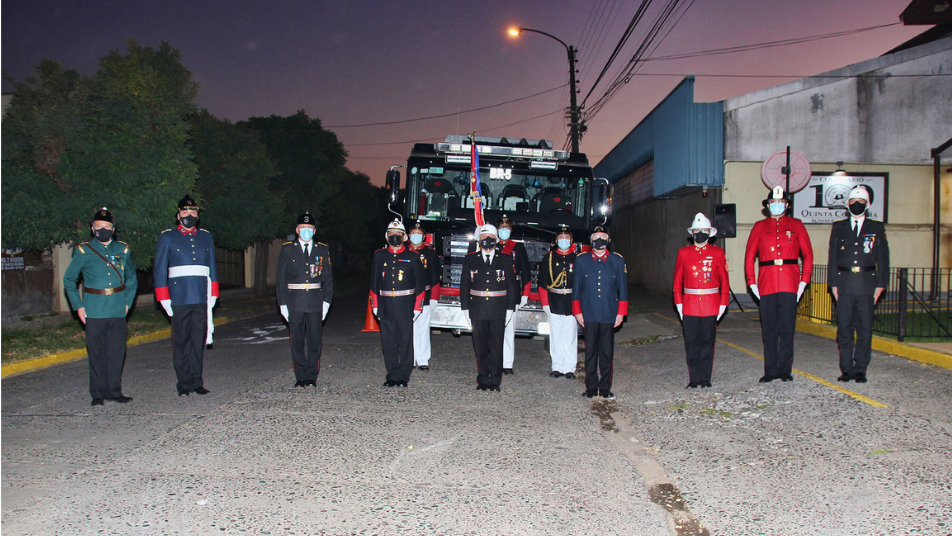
pixel 109 281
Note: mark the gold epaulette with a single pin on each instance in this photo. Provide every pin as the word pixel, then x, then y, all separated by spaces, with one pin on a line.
pixel 323 244
pixel 80 248
pixel 288 242
pixel 165 231
pixel 126 250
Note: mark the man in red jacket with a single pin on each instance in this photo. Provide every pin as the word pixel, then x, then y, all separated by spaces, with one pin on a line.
pixel 779 242
pixel 701 294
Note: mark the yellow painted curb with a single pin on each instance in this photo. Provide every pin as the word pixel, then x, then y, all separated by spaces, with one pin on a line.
pixel 72 355
pixel 882 344
pixel 821 381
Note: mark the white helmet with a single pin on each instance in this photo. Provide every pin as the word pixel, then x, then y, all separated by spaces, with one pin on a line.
pixel 395 225
pixel 859 192
pixel 701 222
pixel 487 228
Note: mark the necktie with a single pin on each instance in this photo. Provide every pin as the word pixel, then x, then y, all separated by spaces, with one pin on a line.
pixel 307 251
pixel 856 227
pixel 487 259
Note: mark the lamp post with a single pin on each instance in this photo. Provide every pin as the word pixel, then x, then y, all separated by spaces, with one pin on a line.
pixel 574 126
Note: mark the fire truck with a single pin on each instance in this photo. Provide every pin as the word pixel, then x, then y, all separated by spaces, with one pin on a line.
pixel 538 188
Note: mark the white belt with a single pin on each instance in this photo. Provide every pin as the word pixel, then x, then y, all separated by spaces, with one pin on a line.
pixel 304 286
pixel 488 293
pixel 394 293
pixel 188 270
pixel 559 290
pixel 702 291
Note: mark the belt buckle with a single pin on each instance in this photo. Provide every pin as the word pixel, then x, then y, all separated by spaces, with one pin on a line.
pixel 108 291
pixel 855 269
pixel 777 262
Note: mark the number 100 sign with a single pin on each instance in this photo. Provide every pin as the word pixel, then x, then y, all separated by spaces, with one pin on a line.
pixel 825 197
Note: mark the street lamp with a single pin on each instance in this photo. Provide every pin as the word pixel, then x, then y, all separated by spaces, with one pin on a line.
pixel 574 126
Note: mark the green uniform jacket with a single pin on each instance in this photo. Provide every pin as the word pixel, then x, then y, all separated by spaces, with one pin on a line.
pixel 98 274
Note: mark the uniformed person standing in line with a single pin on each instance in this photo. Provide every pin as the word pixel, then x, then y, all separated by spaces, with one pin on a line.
pixel 304 283
pixel 421 327
pixel 186 285
pixel 520 263
pixel 109 281
pixel 600 303
pixel 858 273
pixel 556 272
pixel 488 294
pixel 397 290
pixel 778 241
pixel 701 294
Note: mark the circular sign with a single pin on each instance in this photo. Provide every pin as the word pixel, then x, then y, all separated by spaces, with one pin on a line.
pixel 772 171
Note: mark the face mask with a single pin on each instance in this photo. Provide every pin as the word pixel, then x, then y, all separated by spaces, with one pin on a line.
pixel 600 243
pixel 487 243
pixel 857 209
pixel 395 240
pixel 700 238
pixel 563 243
pixel 777 209
pixel 103 235
pixel 188 221
pixel 504 233
pixel 306 234
pixel 416 239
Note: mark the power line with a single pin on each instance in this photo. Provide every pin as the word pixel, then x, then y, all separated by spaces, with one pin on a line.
pixel 834 76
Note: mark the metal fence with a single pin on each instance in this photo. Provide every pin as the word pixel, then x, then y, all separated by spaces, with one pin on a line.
pixel 231 267
pixel 916 303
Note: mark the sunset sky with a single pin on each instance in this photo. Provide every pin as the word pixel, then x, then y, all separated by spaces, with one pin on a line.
pixel 362 61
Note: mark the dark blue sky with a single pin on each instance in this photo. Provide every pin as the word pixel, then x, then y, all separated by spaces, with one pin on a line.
pixel 360 61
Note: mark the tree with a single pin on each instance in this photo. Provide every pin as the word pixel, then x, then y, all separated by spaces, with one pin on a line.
pixel 117 139
pixel 353 220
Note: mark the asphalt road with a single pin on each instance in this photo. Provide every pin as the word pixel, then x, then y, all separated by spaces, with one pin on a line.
pixel 351 457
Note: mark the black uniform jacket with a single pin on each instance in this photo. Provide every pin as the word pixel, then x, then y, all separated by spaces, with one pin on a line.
pixel 556 275
pixel 858 264
pixel 434 269
pixel 488 291
pixel 397 283
pixel 311 276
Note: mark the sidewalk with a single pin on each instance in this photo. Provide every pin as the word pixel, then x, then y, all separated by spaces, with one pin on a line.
pixel 233 304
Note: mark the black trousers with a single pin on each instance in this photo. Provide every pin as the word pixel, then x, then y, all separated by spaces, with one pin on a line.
pixel 487 341
pixel 306 344
pixel 397 339
pixel 189 323
pixel 854 316
pixel 699 335
pixel 599 355
pixel 778 319
pixel 106 347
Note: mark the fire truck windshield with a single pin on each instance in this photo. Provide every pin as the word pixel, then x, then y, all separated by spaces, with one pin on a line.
pixel 526 196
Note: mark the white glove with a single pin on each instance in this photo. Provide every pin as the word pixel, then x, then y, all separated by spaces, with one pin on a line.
pixel 755 290
pixel 212 301
pixel 508 316
pixel 800 290
pixel 375 312
pixel 547 309
pixel 284 311
pixel 434 303
pixel 680 307
pixel 523 301
pixel 326 307
pixel 416 314
pixel 167 305
pixel 720 311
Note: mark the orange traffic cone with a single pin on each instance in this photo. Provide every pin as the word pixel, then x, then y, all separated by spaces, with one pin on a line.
pixel 370 323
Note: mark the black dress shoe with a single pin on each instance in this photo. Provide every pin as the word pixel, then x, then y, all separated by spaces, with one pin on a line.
pixel 590 394
pixel 844 377
pixel 860 378
pixel 555 374
pixel 704 384
pixel 607 395
pixel 692 385
pixel 482 387
pixel 202 391
pixel 424 367
pixel 312 383
pixel 122 399
pixel 183 392
pixel 299 385
pixel 569 375
pixel 787 378
pixel 401 384
pixel 766 379
pixel 507 371
pixel 97 402
pixel 494 389
pixel 389 383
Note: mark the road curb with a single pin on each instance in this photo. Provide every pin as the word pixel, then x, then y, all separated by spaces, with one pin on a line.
pixel 36 363
pixel 881 344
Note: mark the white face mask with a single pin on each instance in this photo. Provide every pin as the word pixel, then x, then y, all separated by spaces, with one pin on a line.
pixel 416 239
pixel 563 243
pixel 777 209
pixel 504 233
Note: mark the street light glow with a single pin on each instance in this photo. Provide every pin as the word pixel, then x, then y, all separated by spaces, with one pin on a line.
pixel 515 31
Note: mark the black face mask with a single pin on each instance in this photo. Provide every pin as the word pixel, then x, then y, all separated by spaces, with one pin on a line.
pixel 103 235
pixel 487 243
pixel 188 221
pixel 395 240
pixel 600 243
pixel 857 209
pixel 700 237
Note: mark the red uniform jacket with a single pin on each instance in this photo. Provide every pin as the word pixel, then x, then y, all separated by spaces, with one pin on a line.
pixel 701 269
pixel 775 240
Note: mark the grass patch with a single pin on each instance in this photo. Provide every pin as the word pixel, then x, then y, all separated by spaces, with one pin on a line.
pixel 20 344
pixel 714 412
pixel 680 406
pixel 877 452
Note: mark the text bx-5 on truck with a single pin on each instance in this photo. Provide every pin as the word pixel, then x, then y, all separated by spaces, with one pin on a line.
pixel 539 189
